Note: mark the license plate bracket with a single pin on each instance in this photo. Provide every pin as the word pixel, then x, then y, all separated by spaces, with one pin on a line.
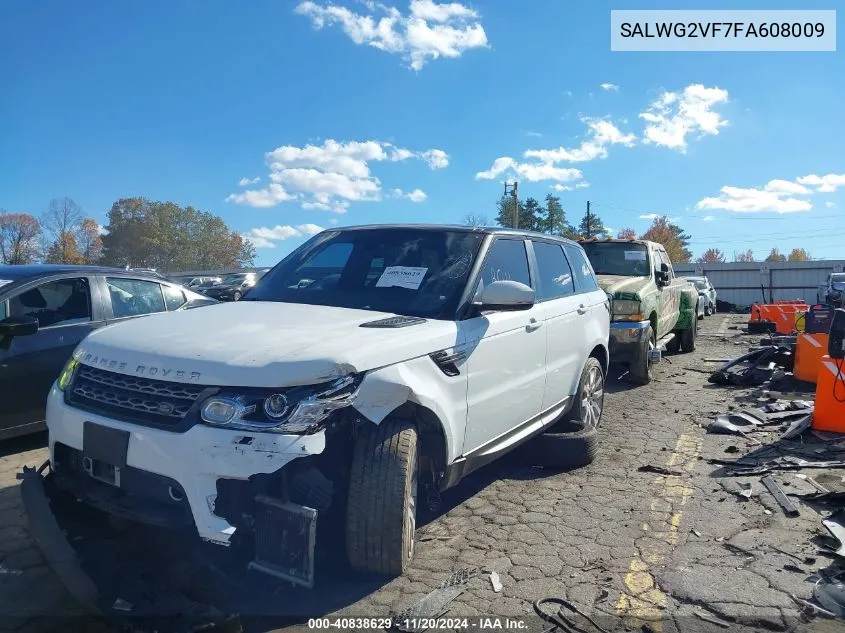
pixel 105 444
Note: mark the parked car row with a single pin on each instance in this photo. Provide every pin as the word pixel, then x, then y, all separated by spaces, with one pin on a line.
pixel 371 369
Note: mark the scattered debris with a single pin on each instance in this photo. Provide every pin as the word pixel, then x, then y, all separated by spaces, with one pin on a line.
pixel 754 368
pixel 780 496
pixel 830 594
pixel 434 603
pixel 798 427
pixel 731 449
pixel 494 580
pixel 659 470
pixel 813 483
pixel 559 619
pixel 743 467
pixel 835 524
pixel 703 615
pixel 745 491
pixel 793 568
pixel 696 532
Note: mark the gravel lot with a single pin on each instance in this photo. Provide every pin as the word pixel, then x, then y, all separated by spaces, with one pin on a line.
pixel 631 548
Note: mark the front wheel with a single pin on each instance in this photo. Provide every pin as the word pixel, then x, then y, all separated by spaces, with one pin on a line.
pixel 382 503
pixel 641 369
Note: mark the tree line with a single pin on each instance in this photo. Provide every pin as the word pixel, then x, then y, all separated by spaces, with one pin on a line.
pixel 550 217
pixel 140 233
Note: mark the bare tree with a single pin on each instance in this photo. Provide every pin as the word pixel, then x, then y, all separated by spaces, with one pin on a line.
pixel 471 219
pixel 61 223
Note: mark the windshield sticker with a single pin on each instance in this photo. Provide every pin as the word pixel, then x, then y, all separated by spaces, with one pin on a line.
pixel 634 256
pixel 3 282
pixel 409 277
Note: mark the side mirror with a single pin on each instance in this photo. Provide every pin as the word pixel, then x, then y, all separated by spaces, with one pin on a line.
pixel 18 326
pixel 506 295
pixel 661 277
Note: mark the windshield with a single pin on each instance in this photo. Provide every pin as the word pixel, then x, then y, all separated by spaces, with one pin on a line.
pixel 618 258
pixel 234 279
pixel 701 285
pixel 837 278
pixel 411 272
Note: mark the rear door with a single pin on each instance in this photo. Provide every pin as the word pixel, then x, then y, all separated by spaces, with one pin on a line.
pixel 565 322
pixel 67 309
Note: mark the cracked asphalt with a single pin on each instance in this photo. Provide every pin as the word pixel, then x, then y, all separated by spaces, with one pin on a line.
pixel 634 550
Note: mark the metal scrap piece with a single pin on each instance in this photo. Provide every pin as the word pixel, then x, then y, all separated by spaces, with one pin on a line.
pixel 780 496
pixel 835 524
pixel 798 427
pixel 495 582
pixel 434 603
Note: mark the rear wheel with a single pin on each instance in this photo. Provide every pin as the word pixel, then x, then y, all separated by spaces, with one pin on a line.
pixel 382 503
pixel 641 369
pixel 707 311
pixel 589 401
pixel 688 337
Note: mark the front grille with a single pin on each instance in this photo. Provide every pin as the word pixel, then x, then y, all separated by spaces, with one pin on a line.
pixel 129 398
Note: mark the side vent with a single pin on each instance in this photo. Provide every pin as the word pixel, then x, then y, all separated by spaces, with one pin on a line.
pixel 394 322
pixel 447 361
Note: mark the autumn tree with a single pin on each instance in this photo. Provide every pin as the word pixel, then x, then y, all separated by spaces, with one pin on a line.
pixel 775 256
pixel 20 237
pixel 64 250
pixel 472 219
pixel 798 255
pixel 626 234
pixel 671 237
pixel 712 256
pixel 90 243
pixel 61 222
pixel 745 257
pixel 165 236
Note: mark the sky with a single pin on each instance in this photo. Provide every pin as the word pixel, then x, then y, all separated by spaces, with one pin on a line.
pixel 288 117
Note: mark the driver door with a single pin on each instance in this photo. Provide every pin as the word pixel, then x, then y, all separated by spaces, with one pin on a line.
pixel 506 367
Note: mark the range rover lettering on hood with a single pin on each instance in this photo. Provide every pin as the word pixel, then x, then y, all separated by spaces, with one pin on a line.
pixel 144 370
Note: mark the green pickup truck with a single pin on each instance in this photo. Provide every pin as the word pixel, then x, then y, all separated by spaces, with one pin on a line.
pixel 652 308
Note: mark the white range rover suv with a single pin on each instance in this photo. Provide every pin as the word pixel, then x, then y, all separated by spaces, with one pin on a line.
pixel 371 366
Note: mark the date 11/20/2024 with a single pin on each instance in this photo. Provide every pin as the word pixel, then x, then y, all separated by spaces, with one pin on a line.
pixel 485 623
pixel 721 29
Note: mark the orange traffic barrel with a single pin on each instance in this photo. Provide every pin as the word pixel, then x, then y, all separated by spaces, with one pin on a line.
pixel 829 411
pixel 809 349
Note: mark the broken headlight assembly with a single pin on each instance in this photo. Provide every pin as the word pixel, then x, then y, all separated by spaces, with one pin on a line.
pixel 627 310
pixel 293 410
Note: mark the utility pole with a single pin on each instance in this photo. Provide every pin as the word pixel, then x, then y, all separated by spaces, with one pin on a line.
pixel 588 223
pixel 512 189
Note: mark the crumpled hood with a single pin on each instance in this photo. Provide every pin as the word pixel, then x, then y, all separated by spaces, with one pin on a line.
pixel 259 344
pixel 623 287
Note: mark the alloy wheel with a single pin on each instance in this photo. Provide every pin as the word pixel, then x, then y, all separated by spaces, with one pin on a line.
pixel 592 397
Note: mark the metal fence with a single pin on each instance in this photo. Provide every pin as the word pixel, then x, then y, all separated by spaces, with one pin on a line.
pixel 744 284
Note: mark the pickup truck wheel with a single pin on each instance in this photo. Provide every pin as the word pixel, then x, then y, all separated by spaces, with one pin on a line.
pixel 707 311
pixel 641 369
pixel 688 337
pixel 589 401
pixel 571 445
pixel 382 503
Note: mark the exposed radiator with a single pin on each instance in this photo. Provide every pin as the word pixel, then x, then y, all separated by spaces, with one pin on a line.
pixel 285 536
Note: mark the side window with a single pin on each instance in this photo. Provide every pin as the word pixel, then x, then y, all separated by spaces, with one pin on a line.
pixel 553 272
pixel 62 302
pixel 173 297
pixel 664 258
pixel 134 297
pixel 585 278
pixel 2 310
pixel 506 260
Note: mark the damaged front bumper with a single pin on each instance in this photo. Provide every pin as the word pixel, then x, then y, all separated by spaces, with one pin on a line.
pixel 626 339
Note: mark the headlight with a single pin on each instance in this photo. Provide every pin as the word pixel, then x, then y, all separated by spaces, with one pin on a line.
pixel 300 410
pixel 68 372
pixel 627 310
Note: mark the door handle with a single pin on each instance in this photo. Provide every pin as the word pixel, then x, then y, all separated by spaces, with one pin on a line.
pixel 582 309
pixel 533 324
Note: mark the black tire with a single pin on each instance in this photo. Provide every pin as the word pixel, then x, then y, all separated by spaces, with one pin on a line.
pixel 688 337
pixel 641 369
pixel 236 296
pixel 381 507
pixel 583 408
pixel 674 345
pixel 571 445
pixel 707 311
pixel 712 309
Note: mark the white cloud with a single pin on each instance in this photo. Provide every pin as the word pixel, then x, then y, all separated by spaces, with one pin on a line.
pixel 582 185
pixel 568 93
pixel 533 134
pixel 265 237
pixel 559 187
pixel 330 176
pixel 708 218
pixel 649 216
pixel 751 200
pixel 609 86
pixel 429 30
pixel 786 187
pixel 824 184
pixel 101 230
pixel 830 205
pixel 676 115
pixel 417 195
pixel 243 182
pixel 544 163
